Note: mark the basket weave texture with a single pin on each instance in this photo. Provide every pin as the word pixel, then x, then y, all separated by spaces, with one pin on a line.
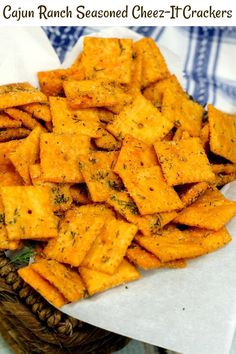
pixel 31 325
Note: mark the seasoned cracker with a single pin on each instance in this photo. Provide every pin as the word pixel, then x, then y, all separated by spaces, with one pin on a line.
pixel 79 121
pixel 222 133
pixel 150 191
pixel 154 67
pixel 96 281
pixel 182 112
pixel 110 246
pixel 18 94
pixel 77 232
pixel 184 161
pixel 26 154
pixel 42 286
pixel 92 93
pixel 28 213
pixel 211 211
pixel 97 170
pixel 65 280
pixel 59 154
pixel 142 121
pixel 38 110
pixel 107 58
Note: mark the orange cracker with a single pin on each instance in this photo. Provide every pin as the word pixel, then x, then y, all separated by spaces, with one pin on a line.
pixel 154 67
pixel 13 95
pixel 110 246
pixel 107 58
pixel 226 169
pixel 65 280
pixel 77 232
pixel 174 244
pixel 13 133
pixel 51 82
pixel 192 193
pixel 59 156
pixel 155 92
pixel 80 194
pixel 211 211
pixel 142 121
pixel 222 133
pixel 9 176
pixel 92 93
pixel 26 154
pixel 80 121
pixel 134 154
pixel 8 122
pixel 5 244
pixel 107 141
pixel 182 112
pixel 97 170
pixel 42 286
pixel 38 110
pixel 24 117
pixel 96 281
pixel 146 260
pixel 28 213
pixel 150 191
pixel 147 224
pixel 183 161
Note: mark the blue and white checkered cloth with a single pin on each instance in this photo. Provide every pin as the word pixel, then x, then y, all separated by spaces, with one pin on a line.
pixel 207 56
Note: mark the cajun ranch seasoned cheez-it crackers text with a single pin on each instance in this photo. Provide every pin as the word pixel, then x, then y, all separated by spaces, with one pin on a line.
pixel 111 167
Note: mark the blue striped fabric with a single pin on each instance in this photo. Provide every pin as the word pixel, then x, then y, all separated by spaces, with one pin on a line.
pixel 201 64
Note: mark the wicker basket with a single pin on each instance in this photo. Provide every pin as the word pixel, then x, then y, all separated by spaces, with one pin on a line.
pixel 31 325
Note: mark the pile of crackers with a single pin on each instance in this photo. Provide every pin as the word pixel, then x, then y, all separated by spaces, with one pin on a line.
pixel 110 168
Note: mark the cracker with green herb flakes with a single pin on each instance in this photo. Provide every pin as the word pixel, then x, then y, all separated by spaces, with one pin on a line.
pixel 7 122
pixel 222 133
pixel 104 115
pixel 147 224
pixel 134 154
pixel 38 110
pixel 211 211
pixel 18 94
pixel 80 121
pixel 182 112
pixel 110 246
pixel 184 161
pixel 77 232
pixel 59 154
pixel 107 58
pixel 146 260
pixel 5 243
pixel 97 170
pixel 150 191
pixel 92 93
pixel 155 92
pixel 142 121
pixel 97 281
pixel 65 280
pixel 26 154
pixel 51 82
pixel 154 67
pixel 193 192
pixel 9 176
pixel 60 193
pixel 173 244
pixel 29 213
pixel 42 286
